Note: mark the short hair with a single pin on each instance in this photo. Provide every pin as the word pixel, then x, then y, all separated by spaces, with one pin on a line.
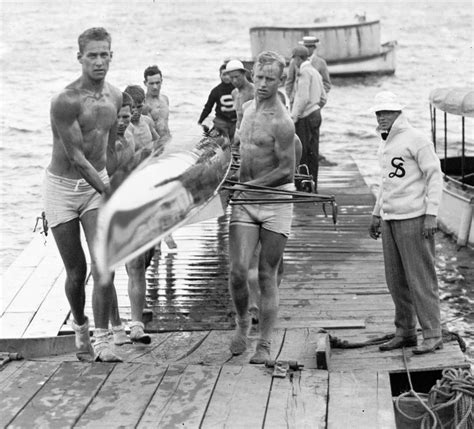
pixel 136 92
pixel 271 57
pixel 151 71
pixel 94 33
pixel 127 100
pixel 222 67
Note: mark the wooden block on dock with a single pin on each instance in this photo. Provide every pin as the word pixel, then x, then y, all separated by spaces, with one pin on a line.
pixel 323 351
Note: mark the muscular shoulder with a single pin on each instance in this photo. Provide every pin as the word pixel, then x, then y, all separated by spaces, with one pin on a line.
pixel 283 125
pixel 66 103
pixel 116 95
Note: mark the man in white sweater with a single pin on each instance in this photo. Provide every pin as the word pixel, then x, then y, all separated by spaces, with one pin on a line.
pixel 405 214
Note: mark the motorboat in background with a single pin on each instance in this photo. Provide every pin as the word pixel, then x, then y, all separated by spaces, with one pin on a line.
pixel 457 159
pixel 349 49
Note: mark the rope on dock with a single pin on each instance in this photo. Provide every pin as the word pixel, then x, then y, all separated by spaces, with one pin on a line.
pixel 455 389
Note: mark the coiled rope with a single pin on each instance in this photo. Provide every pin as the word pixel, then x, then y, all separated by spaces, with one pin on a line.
pixel 455 389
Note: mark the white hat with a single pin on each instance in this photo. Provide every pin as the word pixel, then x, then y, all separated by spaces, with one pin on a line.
pixel 386 100
pixel 309 41
pixel 234 65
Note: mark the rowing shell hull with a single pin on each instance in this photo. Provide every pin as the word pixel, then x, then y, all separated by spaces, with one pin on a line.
pixel 162 195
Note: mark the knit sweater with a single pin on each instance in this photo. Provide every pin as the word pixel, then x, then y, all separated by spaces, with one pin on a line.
pixel 411 179
pixel 222 98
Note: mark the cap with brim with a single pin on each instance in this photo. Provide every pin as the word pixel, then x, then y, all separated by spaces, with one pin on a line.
pixel 300 51
pixel 386 101
pixel 234 65
pixel 309 41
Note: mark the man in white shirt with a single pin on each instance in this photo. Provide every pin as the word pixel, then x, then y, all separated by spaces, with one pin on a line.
pixel 306 109
pixel 405 214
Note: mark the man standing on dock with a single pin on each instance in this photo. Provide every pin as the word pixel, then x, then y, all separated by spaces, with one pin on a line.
pixel 311 43
pixel 405 214
pixel 83 122
pixel 306 109
pixel 267 151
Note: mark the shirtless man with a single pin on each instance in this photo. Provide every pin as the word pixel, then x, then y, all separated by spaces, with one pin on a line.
pixel 157 105
pixel 243 91
pixel 83 122
pixel 267 153
pixel 143 128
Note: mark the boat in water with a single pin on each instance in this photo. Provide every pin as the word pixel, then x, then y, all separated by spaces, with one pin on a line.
pixel 350 49
pixel 452 133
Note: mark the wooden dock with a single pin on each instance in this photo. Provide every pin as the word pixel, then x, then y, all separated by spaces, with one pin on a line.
pixel 334 281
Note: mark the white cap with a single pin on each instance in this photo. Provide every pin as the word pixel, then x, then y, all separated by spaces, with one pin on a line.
pixel 234 65
pixel 309 41
pixel 386 100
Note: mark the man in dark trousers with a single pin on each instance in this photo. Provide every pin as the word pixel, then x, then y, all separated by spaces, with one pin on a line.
pixel 221 96
pixel 306 109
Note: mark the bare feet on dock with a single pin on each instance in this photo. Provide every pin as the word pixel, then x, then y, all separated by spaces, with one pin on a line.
pixel 262 352
pixel 239 341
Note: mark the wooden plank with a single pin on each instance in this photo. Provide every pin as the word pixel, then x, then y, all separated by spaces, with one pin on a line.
pixel 182 397
pixel 124 396
pixel 321 323
pixel 20 387
pixel 367 400
pixel 13 325
pixel 163 397
pixel 52 312
pixel 240 397
pixel 12 281
pixel 300 345
pixel 214 350
pixel 298 401
pixel 65 396
pixel 37 285
pixel 371 357
pixel 40 346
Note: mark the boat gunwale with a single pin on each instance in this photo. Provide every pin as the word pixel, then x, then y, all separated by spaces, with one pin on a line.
pixel 313 27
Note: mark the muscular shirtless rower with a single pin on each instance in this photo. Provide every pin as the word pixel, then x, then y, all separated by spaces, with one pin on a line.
pixel 83 122
pixel 157 104
pixel 267 153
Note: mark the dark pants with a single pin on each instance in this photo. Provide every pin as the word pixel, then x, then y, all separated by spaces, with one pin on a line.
pixel 225 127
pixel 307 130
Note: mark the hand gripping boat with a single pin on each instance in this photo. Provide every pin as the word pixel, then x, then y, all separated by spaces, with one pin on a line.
pixel 163 194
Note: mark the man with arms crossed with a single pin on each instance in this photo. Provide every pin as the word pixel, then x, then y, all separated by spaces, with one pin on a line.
pixel 83 121
pixel 267 151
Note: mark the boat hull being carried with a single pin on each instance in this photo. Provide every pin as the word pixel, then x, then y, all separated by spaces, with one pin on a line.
pixel 349 49
pixel 160 196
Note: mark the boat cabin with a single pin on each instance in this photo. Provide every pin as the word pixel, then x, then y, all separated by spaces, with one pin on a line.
pixel 452 113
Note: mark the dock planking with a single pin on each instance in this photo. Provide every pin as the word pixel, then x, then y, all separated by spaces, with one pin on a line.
pixel 187 377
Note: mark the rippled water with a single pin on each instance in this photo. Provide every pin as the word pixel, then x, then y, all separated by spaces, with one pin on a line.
pixel 189 40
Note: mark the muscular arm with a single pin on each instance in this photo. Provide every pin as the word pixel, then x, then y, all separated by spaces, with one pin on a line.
pixel 65 112
pixel 211 100
pixel 112 157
